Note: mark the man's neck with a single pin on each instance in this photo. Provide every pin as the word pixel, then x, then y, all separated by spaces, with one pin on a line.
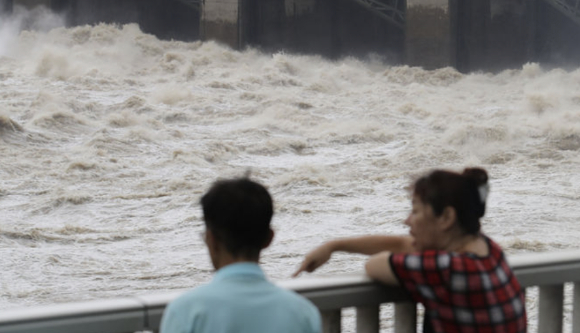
pixel 228 259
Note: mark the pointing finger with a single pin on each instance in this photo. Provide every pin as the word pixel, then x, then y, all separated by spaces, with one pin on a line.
pixel 300 270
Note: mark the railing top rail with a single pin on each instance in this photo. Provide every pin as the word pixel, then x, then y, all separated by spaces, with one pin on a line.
pixel 327 292
pixel 74 309
pixel 526 260
pixel 548 268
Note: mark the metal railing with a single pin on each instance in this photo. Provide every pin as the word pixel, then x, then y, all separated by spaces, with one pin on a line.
pixel 390 10
pixel 548 271
pixel 570 8
pixel 195 4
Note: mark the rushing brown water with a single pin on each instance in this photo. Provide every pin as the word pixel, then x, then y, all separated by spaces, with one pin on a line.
pixel 108 137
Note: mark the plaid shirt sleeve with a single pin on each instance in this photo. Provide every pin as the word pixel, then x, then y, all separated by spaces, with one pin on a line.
pixel 424 275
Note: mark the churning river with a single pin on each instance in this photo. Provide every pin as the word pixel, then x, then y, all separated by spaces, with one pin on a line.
pixel 108 137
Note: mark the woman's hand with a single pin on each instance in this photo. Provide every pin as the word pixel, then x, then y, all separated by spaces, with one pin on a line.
pixel 315 259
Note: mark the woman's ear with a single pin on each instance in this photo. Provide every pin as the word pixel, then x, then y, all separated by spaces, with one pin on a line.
pixel 447 219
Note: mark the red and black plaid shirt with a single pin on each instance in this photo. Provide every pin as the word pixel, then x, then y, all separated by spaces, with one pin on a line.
pixel 462 292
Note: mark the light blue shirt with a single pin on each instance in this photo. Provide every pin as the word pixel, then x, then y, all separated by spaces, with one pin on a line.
pixel 240 299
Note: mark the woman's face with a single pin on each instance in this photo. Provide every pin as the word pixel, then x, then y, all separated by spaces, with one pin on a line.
pixel 423 226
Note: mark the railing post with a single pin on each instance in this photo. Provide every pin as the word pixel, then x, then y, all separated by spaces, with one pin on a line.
pixel 367 319
pixel 331 321
pixel 405 317
pixel 551 309
pixel 576 309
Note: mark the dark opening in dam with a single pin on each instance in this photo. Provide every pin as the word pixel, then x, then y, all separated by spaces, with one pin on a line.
pixel 468 35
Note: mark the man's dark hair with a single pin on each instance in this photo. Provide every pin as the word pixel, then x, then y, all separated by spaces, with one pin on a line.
pixel 238 212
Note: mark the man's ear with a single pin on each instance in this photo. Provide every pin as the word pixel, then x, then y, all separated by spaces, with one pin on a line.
pixel 269 239
pixel 211 241
pixel 447 219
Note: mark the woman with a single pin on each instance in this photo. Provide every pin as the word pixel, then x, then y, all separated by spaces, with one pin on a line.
pixel 459 274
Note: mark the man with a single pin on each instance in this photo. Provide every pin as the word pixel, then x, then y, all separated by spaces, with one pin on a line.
pixel 237 215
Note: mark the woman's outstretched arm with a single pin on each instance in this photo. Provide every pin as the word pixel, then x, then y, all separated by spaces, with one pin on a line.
pixel 378 268
pixel 369 245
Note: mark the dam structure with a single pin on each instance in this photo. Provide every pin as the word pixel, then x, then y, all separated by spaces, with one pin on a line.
pixel 471 35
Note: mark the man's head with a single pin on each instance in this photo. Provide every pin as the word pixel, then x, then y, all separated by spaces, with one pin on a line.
pixel 237 214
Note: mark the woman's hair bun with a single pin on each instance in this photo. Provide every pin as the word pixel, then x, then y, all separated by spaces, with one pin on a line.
pixel 477 174
pixel 479 178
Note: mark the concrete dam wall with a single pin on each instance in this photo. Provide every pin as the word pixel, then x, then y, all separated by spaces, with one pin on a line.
pixel 468 35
